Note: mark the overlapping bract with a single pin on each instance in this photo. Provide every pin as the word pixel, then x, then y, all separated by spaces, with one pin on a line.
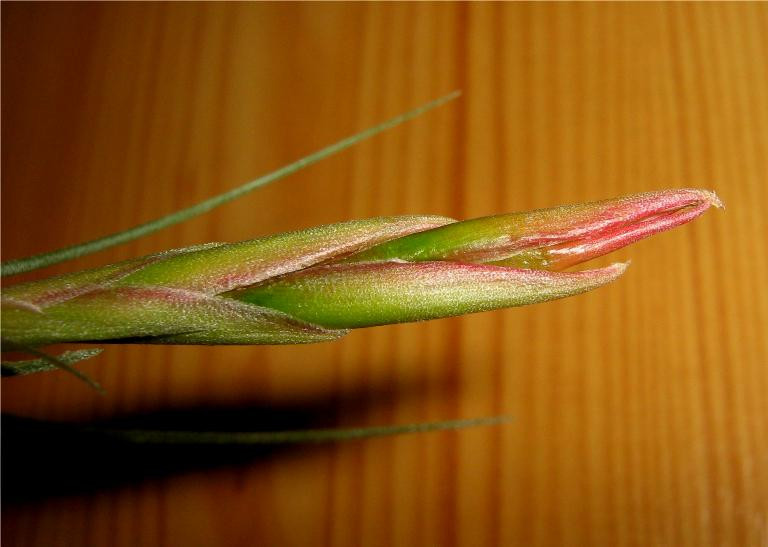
pixel 313 285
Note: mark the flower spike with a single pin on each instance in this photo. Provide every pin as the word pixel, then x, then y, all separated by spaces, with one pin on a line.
pixel 312 285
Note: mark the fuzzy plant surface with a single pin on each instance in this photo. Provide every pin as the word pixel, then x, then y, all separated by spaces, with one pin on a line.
pixel 314 285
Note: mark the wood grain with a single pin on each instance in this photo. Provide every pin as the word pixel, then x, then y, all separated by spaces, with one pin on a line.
pixel 640 409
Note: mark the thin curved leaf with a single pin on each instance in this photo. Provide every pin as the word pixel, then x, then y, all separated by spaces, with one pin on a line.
pixel 34 262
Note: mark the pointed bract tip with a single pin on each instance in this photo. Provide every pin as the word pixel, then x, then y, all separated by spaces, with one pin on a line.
pixel 620 267
pixel 713 199
pixel 606 274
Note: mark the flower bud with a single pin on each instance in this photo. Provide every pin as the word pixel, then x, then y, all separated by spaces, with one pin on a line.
pixel 551 239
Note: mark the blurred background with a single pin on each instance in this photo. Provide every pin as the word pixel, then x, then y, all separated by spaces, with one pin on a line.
pixel 640 409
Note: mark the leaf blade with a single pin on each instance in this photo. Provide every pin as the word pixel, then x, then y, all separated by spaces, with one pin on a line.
pixel 22 368
pixel 34 262
pixel 292 437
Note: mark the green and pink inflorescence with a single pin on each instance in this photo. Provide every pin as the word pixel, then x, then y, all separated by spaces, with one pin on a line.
pixel 313 285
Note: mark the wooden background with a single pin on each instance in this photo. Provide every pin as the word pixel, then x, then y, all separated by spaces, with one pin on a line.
pixel 640 409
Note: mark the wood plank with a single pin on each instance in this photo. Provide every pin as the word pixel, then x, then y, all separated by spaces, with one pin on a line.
pixel 640 409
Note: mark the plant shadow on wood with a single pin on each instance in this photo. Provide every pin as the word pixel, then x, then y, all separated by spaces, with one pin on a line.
pixel 43 459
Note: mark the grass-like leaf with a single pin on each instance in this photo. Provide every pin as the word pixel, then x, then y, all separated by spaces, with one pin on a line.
pixel 22 368
pixel 54 362
pixel 289 437
pixel 34 262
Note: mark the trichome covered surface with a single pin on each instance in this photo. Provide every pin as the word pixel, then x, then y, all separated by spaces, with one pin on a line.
pixel 313 285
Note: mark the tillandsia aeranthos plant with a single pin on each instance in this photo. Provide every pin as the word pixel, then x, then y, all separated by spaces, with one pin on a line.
pixel 316 284
pixel 313 285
